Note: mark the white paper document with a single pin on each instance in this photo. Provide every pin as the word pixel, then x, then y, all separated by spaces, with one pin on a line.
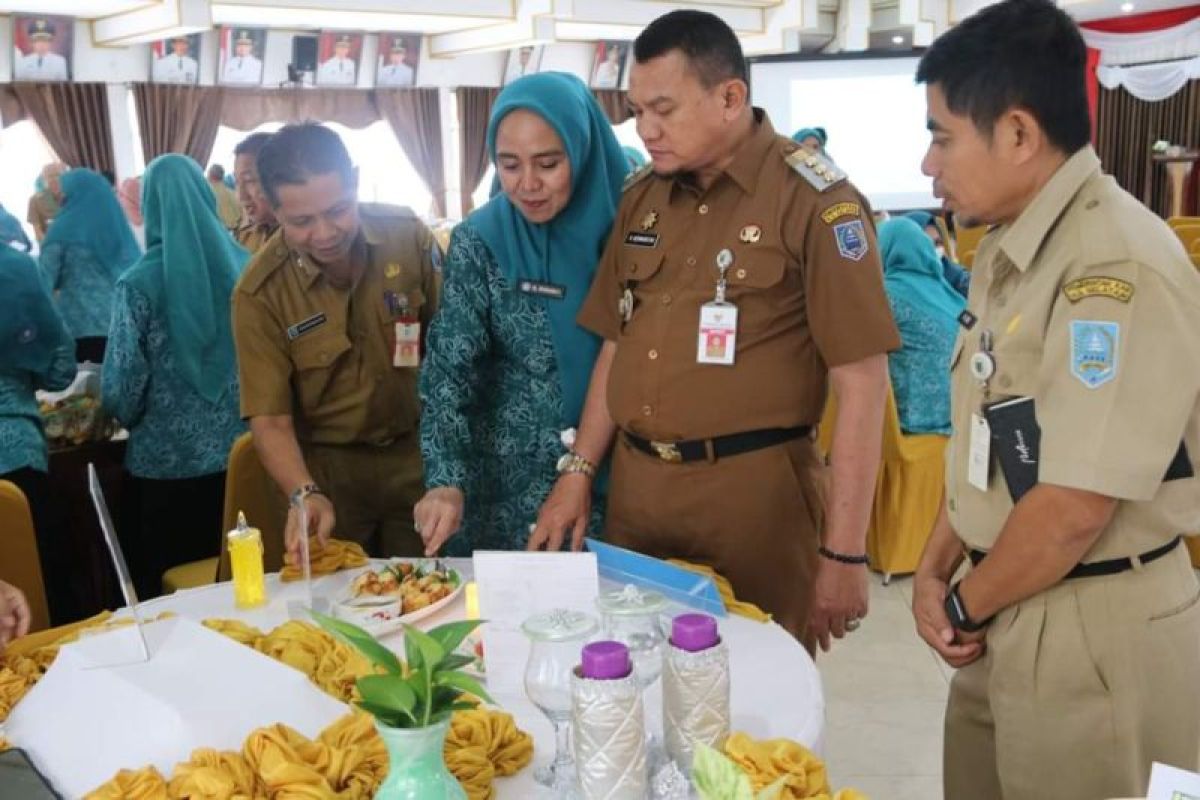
pixel 1172 783
pixel 513 587
pixel 82 723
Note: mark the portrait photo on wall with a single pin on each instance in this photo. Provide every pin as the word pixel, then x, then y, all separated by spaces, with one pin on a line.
pixel 176 60
pixel 608 65
pixel 523 61
pixel 241 60
pixel 338 54
pixel 42 47
pixel 399 56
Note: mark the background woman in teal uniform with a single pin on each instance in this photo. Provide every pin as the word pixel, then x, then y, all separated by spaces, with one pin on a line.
pixel 88 246
pixel 36 352
pixel 171 377
pixel 926 310
pixel 955 275
pixel 507 368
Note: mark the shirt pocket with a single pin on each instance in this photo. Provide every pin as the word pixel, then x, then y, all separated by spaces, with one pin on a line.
pixel 757 286
pixel 641 269
pixel 316 358
pixel 1017 373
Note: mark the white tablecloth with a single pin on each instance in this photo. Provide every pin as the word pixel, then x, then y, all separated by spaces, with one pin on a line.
pixel 776 689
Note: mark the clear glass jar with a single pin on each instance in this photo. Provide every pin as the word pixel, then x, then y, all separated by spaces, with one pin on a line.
pixel 634 617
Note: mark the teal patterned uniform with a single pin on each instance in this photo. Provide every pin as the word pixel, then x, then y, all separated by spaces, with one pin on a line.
pixel 82 289
pixel 22 437
pixel 492 406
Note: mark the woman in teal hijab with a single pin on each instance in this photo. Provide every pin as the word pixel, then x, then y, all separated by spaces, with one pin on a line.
pixel 12 233
pixel 811 139
pixel 89 245
pixel 171 375
pixel 926 310
pixel 36 352
pixel 507 367
pixel 955 275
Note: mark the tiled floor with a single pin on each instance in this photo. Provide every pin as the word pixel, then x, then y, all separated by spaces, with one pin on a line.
pixel 885 695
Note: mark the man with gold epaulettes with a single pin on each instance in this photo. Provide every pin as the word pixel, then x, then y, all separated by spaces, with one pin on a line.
pixel 258 223
pixel 741 276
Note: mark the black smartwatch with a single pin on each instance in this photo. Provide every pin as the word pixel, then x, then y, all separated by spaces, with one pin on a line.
pixel 957 612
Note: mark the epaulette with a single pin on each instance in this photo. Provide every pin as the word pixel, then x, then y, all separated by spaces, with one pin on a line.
pixel 635 176
pixel 816 168
pixel 263 264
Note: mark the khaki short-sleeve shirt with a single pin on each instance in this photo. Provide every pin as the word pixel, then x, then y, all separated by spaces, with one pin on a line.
pixel 254 237
pixel 324 355
pixel 805 277
pixel 1095 313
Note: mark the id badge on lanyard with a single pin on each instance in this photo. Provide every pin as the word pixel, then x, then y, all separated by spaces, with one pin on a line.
pixel 407 351
pixel 979 458
pixel 717 335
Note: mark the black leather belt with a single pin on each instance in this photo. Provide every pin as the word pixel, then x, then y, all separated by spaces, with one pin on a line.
pixel 1113 566
pixel 719 446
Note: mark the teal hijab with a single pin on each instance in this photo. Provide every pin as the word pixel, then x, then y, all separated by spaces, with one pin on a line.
pixel 91 217
pixel 912 270
pixel 30 328
pixel 634 157
pixel 189 271
pixel 818 133
pixel 563 251
pixel 923 218
pixel 11 231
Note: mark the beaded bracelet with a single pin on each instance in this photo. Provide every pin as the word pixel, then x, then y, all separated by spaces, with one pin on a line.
pixel 841 558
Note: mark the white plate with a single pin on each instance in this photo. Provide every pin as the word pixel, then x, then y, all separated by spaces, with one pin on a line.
pixel 365 617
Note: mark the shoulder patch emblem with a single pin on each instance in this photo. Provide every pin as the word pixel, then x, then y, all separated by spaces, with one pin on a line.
pixel 838 210
pixel 1094 351
pixel 636 176
pixel 851 239
pixel 820 172
pixel 1117 289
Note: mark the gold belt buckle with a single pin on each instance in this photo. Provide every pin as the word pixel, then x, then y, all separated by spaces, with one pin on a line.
pixel 667 452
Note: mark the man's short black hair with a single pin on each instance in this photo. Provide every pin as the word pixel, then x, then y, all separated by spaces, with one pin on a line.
pixel 252 145
pixel 216 172
pixel 299 152
pixel 711 46
pixel 1017 53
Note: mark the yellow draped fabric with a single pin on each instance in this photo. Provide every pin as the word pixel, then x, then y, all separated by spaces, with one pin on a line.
pixel 336 555
pixel 732 604
pixel 768 760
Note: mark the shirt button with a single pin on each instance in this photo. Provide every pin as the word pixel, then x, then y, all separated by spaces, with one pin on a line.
pixel 741 273
pixel 703 209
pixel 1005 381
pixel 647 411
pixel 632 269
pixel 653 354
pixel 1000 301
pixel 953 504
pixel 691 261
pixel 666 299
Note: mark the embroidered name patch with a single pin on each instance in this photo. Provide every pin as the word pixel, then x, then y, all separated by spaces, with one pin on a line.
pixel 1094 351
pixel 851 239
pixel 551 290
pixel 839 210
pixel 1115 288
pixel 637 239
pixel 304 326
pixel 967 319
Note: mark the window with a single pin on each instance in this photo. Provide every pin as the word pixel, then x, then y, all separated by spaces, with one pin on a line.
pixel 23 153
pixel 384 172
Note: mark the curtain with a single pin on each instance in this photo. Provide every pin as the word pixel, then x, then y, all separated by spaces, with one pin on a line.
pixel 474 109
pixel 11 109
pixel 1127 128
pixel 613 101
pixel 1156 36
pixel 178 119
pixel 74 119
pixel 415 119
pixel 246 109
pixel 1150 82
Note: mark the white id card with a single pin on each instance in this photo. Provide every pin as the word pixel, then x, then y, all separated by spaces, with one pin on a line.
pixel 408 345
pixel 980 457
pixel 718 333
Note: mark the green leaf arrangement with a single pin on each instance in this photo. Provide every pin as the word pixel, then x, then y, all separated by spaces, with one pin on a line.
pixel 717 777
pixel 424 689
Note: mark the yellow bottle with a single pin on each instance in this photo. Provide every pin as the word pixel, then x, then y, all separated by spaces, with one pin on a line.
pixel 246 560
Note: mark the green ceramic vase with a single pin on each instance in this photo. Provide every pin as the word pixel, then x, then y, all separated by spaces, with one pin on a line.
pixel 417 768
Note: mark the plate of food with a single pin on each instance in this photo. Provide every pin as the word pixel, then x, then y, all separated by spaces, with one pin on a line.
pixel 383 598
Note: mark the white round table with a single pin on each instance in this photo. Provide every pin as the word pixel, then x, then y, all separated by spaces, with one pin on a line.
pixel 776 689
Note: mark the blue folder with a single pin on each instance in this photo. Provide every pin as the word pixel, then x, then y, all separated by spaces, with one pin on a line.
pixel 678 584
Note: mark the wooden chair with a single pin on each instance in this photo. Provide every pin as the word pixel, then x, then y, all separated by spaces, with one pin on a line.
pixel 19 562
pixel 1190 236
pixel 908 491
pixel 248 488
pixel 1175 221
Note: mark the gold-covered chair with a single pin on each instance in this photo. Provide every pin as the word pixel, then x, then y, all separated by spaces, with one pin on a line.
pixel 1190 236
pixel 19 561
pixel 248 488
pixel 908 491
pixel 966 242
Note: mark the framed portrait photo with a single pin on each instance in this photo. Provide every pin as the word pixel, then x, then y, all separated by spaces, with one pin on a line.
pixel 43 47
pixel 399 57
pixel 241 55
pixel 608 64
pixel 523 61
pixel 176 60
pixel 338 56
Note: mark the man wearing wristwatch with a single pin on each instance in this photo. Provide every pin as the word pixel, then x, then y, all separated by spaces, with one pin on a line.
pixel 1070 473
pixel 328 318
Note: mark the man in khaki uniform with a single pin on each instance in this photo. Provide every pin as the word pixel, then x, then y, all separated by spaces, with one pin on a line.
pixel 258 220
pixel 714 461
pixel 1076 391
pixel 328 320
